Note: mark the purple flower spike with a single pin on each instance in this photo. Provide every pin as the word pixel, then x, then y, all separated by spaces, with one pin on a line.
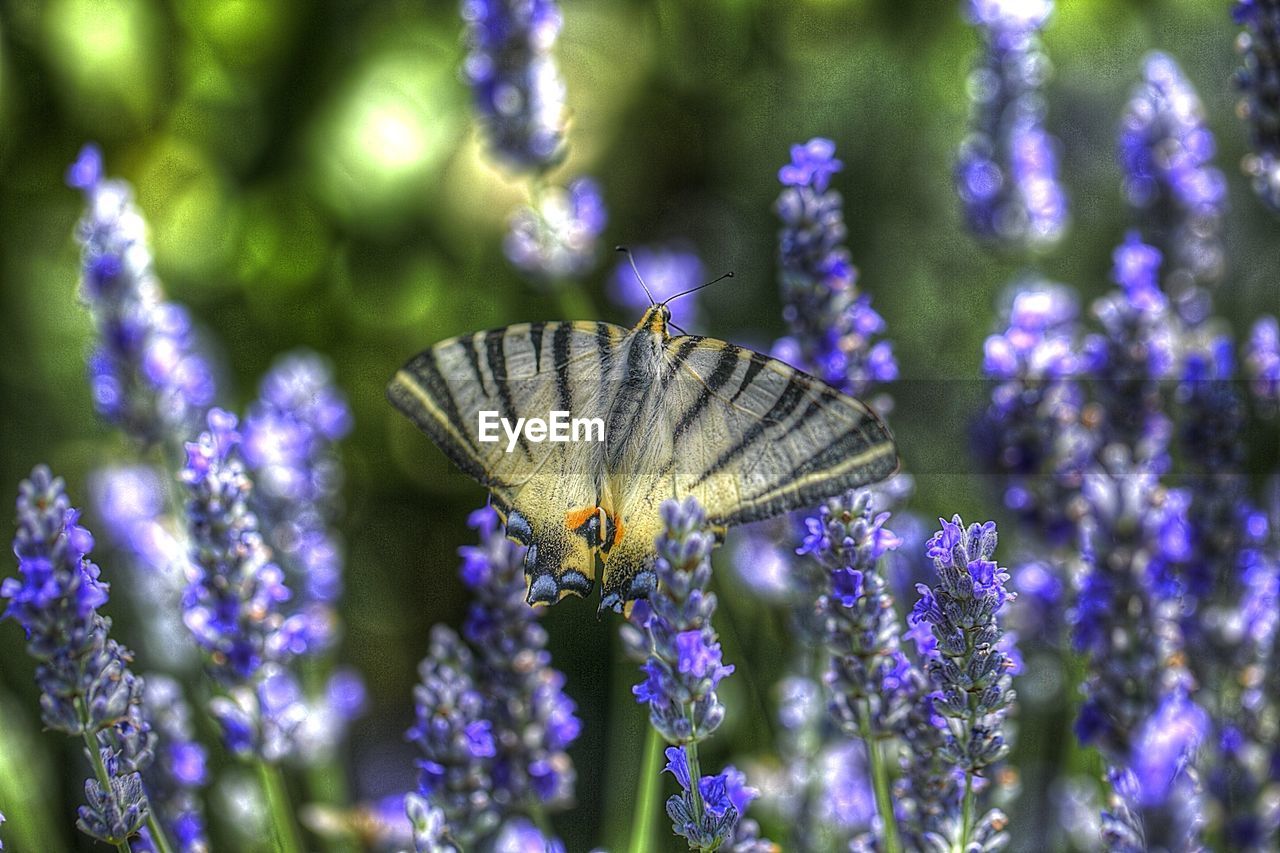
pixel 1007 170
pixel 556 237
pixel 87 687
pixel 1259 79
pixel 812 164
pixel 1166 151
pixel 970 668
pixel 146 372
pixel 833 326
pixel 516 86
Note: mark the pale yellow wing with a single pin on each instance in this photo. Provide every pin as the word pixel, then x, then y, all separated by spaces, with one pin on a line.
pixel 547 491
pixel 747 435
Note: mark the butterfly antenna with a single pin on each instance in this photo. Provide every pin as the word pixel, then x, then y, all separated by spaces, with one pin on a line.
pixel 636 270
pixel 671 299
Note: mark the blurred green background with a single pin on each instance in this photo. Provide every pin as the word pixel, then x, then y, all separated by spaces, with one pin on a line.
pixel 313 177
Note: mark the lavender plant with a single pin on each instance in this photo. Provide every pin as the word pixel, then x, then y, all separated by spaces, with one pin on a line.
pixel 179 773
pixel 833 327
pixel 516 86
pixel 289 443
pixel 1033 432
pixel 555 238
pixel 1259 79
pixel 534 720
pixel 146 373
pixel 493 724
pixel 869 681
pixel 1166 152
pixel 456 740
pixel 519 99
pixel 1262 362
pixel 1007 170
pixel 1132 355
pixel 970 669
pixel 684 666
pixel 87 687
pixel 234 609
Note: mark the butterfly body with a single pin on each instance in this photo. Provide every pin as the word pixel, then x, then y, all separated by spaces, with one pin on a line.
pixel 748 435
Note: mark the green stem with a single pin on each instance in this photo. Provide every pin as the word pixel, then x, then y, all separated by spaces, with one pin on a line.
pixel 966 813
pixel 647 794
pixel 695 776
pixel 880 784
pixel 287 837
pixel 158 837
pixel 99 769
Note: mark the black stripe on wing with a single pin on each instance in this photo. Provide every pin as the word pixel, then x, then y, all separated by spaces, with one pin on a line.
pixel 756 365
pixel 471 349
pixel 535 341
pixel 725 366
pixel 560 345
pixel 868 435
pixel 496 358
pixel 423 374
pixel 782 407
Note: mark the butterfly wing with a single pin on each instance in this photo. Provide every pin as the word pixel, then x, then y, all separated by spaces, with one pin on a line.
pixel 547 492
pixel 750 437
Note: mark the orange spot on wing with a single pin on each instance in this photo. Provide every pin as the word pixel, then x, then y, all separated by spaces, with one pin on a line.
pixel 575 518
pixel 618 530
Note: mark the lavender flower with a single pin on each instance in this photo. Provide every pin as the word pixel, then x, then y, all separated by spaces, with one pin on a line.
pixel 534 721
pixel 175 779
pixel 234 604
pixel 1126 625
pixel 1262 362
pixel 146 372
pixel 289 444
pixel 1007 171
pixel 556 236
pixel 1259 79
pixel 1133 353
pixel 683 668
pixel 494 724
pixel 516 85
pixel 865 678
pixel 684 664
pixel 833 327
pixel 708 814
pixel 870 683
pixel 1 824
pixel 456 739
pixel 430 833
pixel 1228 582
pixel 1166 152
pixel 1032 433
pixel 87 688
pixel 666 272
pixel 970 667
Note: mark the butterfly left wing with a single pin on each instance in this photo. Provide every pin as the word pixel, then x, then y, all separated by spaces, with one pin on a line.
pixel 547 492
pixel 750 437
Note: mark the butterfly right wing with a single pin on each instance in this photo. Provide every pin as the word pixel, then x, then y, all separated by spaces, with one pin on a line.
pixel 754 437
pixel 547 492
pixel 747 435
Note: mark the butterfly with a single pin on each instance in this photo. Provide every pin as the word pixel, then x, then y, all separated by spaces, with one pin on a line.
pixel 748 435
